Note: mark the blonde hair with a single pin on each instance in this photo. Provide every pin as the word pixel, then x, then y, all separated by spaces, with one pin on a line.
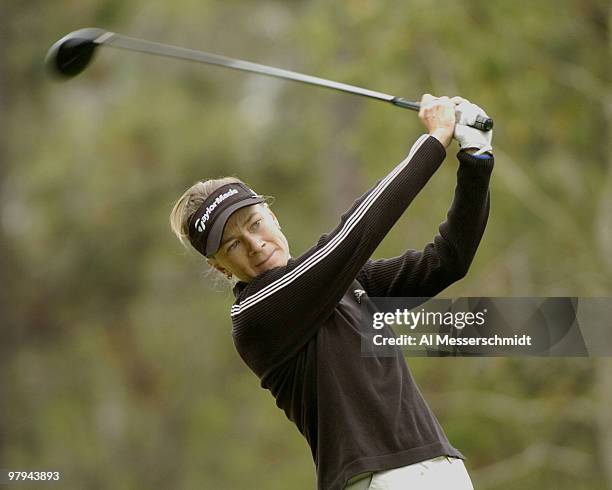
pixel 189 203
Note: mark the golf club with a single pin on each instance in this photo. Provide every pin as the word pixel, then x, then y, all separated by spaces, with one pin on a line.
pixel 72 54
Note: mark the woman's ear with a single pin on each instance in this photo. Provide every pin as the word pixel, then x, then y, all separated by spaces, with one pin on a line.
pixel 213 263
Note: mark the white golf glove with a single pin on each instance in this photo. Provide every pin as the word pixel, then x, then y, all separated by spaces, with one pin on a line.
pixel 467 136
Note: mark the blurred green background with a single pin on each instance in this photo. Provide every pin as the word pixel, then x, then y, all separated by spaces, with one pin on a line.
pixel 118 366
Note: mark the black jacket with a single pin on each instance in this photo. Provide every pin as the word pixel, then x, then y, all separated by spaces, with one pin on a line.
pixel 297 327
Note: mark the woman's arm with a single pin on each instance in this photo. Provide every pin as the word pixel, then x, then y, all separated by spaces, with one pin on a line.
pixel 447 258
pixel 278 312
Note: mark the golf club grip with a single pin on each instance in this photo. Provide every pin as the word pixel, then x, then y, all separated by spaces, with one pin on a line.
pixel 481 123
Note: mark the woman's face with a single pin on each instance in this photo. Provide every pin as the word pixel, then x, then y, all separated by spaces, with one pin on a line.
pixel 252 243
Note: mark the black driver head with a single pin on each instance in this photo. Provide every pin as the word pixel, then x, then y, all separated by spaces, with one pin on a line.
pixel 71 54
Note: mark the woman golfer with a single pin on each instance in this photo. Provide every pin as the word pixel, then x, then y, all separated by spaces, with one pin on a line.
pixel 295 321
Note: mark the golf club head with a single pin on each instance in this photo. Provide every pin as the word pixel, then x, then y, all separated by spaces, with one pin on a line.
pixel 71 54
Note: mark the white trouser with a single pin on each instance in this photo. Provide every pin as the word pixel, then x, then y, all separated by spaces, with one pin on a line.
pixel 433 474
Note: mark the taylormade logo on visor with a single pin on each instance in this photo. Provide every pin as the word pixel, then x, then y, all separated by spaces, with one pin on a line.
pixel 200 224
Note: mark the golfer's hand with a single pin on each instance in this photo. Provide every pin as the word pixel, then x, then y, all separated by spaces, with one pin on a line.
pixel 471 139
pixel 438 115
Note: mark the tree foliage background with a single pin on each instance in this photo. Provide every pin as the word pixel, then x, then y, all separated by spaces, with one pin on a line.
pixel 118 366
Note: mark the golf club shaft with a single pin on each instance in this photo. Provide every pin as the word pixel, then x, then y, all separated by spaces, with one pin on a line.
pixel 133 44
